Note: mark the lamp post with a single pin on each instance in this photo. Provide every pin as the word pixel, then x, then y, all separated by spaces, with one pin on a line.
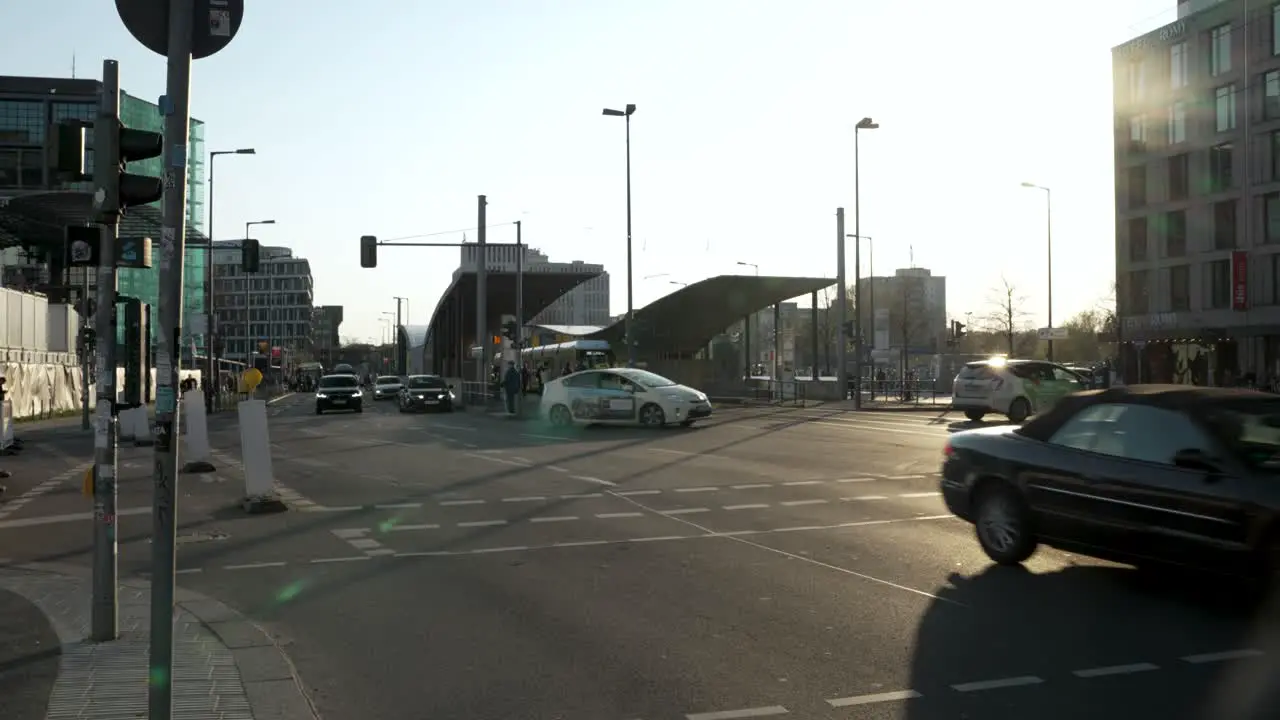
pixel 248 306
pixel 752 326
pixel 1048 217
pixel 630 340
pixel 210 329
pixel 865 123
pixel 871 290
pixel 400 323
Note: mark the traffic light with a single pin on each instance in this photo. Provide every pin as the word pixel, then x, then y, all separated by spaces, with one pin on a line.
pixel 957 329
pixel 115 146
pixel 249 255
pixel 368 251
pixel 510 330
pixel 66 150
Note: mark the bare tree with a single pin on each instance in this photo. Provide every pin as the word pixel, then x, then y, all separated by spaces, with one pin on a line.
pixel 1006 317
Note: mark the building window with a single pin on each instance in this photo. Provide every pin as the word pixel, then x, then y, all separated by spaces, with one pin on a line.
pixel 1275 29
pixel 1224 108
pixel 1179 184
pixel 1137 186
pixel 1137 239
pixel 1224 225
pixel 1220 170
pixel 1138 293
pixel 1175 234
pixel 1178 65
pixel 1271 217
pixel 1220 50
pixel 9 168
pixel 1137 133
pixel 1137 79
pixel 1180 288
pixel 1177 123
pixel 1271 95
pixel 1218 284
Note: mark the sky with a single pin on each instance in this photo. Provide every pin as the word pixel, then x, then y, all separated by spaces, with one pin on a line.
pixel 389 118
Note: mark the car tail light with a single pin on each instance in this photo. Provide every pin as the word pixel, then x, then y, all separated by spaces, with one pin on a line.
pixel 947 450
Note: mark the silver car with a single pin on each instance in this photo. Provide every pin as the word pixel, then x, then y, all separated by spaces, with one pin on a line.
pixel 387 387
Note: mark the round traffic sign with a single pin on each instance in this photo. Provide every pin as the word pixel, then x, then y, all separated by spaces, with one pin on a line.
pixel 214 23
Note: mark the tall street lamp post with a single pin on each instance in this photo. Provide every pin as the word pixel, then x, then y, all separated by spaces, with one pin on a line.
pixel 1048 218
pixel 209 309
pixel 630 339
pixel 865 123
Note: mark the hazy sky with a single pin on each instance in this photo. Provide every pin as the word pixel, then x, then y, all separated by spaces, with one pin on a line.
pixel 389 117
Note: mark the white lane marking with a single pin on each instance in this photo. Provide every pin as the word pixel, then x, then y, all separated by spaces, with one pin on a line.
pixel 185 571
pixel 685 511
pixel 364 544
pixel 865 497
pixel 253 566
pixel 1115 670
pixel 748 506
pixel 629 493
pixel 411 528
pixel 425 553
pixel 611 516
pixel 857 480
pixel 846 426
pixel 580 496
pixel 873 698
pixel 545 437
pixel 751 486
pixel 454 503
pixel 657 538
pixel 796 503
pixel 380 551
pixel 517 458
pixel 920 495
pixel 596 480
pixel 349 558
pixel 398 506
pixel 797 483
pixel 503 461
pixel 905 477
pixel 696 489
pixel 530 498
pixel 580 543
pixel 350 533
pixel 743 713
pixel 997 684
pixel 509 548
pixel 554 518
pixel 1221 656
pixel 336 508
pixel 482 523
pixel 557 468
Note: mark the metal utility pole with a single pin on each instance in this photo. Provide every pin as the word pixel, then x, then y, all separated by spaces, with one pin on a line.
pixel 210 309
pixel 631 314
pixel 402 353
pixel 519 339
pixel 1048 219
pixel 106 138
pixel 842 315
pixel 86 367
pixel 863 124
pixel 482 271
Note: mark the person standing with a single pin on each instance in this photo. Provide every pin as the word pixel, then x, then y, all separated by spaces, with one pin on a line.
pixel 511 385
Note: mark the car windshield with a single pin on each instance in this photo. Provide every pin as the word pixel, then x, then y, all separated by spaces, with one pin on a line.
pixel 388 380
pixel 1252 430
pixel 426 381
pixel 338 381
pixel 646 378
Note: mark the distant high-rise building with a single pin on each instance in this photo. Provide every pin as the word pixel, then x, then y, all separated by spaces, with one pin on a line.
pixel 586 304
pixel 280 295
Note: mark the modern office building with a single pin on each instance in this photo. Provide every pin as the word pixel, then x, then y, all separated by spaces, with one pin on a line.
pixel 326 322
pixel 28 107
pixel 279 298
pixel 1197 179
pixel 586 304
pixel 907 309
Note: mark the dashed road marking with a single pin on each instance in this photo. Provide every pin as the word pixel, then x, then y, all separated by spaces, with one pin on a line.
pixel 400 506
pixel 629 493
pixel 553 518
pixel 48 485
pixel 696 489
pixel 797 503
pixel 1116 670
pixel 1221 656
pixel 860 498
pixel 590 479
pixel 482 523
pixel 998 684
pixel 894 696
pixel 529 498
pixel 754 712
pixel 619 515
pixel 685 511
pixel 253 566
pixel 458 503
pixel 748 506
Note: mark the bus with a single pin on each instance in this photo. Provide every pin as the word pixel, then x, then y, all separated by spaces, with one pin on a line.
pixel 574 353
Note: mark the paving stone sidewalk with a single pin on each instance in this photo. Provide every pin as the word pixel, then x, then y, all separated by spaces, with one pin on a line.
pixel 225 666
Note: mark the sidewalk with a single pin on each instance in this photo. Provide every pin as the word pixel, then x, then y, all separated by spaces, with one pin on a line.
pixel 225 666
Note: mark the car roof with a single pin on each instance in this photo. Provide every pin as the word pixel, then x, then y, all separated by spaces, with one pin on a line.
pixel 424 375
pixel 1178 398
pixel 337 375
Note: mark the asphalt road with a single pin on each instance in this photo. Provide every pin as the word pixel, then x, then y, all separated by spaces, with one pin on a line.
pixel 769 563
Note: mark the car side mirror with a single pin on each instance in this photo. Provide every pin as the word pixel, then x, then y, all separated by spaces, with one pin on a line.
pixel 1196 459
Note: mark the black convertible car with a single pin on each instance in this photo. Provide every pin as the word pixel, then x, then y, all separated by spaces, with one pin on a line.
pixel 1146 474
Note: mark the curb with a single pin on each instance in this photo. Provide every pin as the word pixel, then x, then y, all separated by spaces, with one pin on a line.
pixel 270 680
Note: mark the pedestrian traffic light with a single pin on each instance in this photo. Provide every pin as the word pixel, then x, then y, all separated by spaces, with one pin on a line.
pixel 115 146
pixel 509 330
pixel 368 251
pixel 249 255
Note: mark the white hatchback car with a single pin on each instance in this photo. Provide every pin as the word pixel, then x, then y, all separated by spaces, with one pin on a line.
pixel 621 396
pixel 387 387
pixel 1016 389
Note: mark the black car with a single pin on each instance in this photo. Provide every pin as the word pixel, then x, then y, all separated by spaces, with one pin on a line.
pixel 1145 474
pixel 339 392
pixel 426 392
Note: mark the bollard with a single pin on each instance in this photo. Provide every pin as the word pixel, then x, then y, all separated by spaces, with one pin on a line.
pixel 196 448
pixel 139 424
pixel 255 452
pixel 6 426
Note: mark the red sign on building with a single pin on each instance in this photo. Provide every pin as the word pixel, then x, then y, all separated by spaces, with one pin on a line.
pixel 1239 280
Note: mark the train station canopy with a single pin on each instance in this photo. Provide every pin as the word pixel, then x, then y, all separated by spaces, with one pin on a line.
pixel 456 309
pixel 685 321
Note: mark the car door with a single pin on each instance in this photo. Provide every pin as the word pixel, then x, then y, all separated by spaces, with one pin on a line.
pixel 617 400
pixel 582 393
pixel 1057 479
pixel 1184 514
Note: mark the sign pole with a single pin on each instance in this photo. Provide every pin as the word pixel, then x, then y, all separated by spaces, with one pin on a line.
pixel 176 107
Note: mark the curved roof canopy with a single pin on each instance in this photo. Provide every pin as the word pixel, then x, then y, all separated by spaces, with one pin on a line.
pixel 415 336
pixel 687 319
pixel 540 290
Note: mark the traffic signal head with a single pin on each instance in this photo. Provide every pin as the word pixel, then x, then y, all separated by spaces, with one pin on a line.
pixel 509 329
pixel 114 147
pixel 66 150
pixel 957 328
pixel 249 255
pixel 368 251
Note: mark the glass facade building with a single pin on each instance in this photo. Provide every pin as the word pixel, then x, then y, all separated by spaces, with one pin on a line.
pixel 29 106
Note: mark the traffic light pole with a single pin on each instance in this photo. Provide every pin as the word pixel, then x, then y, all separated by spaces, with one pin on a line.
pixel 519 338
pixel 105 611
pixel 176 108
pixel 482 277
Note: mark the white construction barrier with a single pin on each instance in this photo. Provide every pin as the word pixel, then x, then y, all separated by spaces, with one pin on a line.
pixel 255 453
pixel 6 425
pixel 196 452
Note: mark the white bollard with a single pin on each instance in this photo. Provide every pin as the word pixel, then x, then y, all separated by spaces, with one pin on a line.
pixel 196 447
pixel 140 427
pixel 255 453
pixel 6 425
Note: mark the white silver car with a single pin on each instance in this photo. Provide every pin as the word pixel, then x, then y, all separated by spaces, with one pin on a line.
pixel 387 387
pixel 621 396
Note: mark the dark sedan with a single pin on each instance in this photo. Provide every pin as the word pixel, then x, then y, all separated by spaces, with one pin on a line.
pixel 339 392
pixel 1154 474
pixel 426 392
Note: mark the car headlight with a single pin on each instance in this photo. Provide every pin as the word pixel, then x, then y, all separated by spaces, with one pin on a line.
pixel 321 396
pixel 357 394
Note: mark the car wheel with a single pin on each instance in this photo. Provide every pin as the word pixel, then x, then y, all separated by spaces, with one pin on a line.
pixel 319 411
pixel 1002 521
pixel 652 416
pixel 1019 410
pixel 974 415
pixel 560 416
pixel 687 423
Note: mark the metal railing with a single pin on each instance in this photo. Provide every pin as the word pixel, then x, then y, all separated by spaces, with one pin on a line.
pixel 900 392
pixel 781 392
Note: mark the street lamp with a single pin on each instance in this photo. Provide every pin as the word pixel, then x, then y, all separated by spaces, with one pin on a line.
pixel 1048 217
pixel 865 123
pixel 631 346
pixel 248 305
pixel 752 325
pixel 871 290
pixel 209 301
pixel 400 363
